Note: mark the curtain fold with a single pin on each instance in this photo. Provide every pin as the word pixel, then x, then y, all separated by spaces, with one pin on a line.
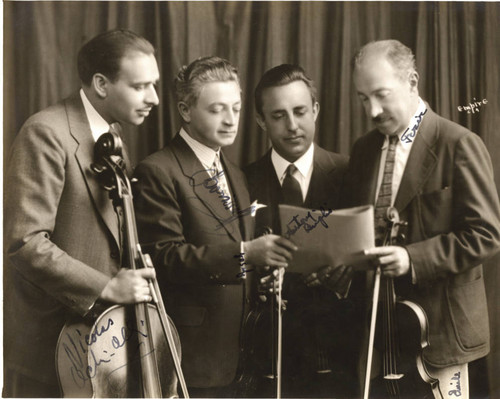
pixel 457 48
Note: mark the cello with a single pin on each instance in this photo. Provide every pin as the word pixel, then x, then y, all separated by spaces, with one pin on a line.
pixel 125 351
pixel 404 373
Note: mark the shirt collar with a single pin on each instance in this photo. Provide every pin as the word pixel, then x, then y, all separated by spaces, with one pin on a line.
pixel 412 129
pixel 303 164
pixel 98 124
pixel 205 154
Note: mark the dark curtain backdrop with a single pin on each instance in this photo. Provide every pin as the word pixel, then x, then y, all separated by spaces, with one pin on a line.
pixel 457 46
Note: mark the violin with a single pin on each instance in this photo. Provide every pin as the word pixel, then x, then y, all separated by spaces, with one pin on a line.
pixel 126 351
pixel 401 333
pixel 259 371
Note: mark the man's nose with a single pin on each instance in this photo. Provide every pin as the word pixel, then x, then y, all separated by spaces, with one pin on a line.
pixel 292 124
pixel 374 108
pixel 152 96
pixel 230 118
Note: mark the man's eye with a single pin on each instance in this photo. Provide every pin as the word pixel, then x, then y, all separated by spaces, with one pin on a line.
pixel 382 94
pixel 215 110
pixel 277 116
pixel 139 87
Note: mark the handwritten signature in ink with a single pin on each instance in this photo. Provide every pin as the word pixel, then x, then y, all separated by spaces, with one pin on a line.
pixel 408 135
pixel 84 360
pixel 243 268
pixel 213 186
pixel 456 380
pixel 222 222
pixel 308 223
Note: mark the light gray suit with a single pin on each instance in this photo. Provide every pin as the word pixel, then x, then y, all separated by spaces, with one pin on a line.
pixel 61 235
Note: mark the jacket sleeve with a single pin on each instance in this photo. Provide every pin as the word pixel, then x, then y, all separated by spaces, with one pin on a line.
pixel 475 212
pixel 164 229
pixel 34 183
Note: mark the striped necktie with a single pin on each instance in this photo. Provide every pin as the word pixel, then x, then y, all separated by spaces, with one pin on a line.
pixel 385 193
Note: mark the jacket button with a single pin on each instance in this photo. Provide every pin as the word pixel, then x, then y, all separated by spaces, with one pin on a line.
pixel 114 255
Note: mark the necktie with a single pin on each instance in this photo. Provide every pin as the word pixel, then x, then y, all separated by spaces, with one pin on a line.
pixel 222 181
pixel 292 194
pixel 385 193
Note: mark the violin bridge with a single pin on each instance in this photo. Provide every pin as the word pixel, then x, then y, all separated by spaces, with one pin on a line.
pixel 393 376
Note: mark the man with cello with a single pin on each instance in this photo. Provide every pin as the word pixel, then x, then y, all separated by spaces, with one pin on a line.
pixel 62 236
pixel 438 177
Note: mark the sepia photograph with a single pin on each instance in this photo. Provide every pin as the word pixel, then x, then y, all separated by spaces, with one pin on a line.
pixel 251 199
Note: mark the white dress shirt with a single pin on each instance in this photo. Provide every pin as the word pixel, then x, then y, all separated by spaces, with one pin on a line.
pixel 98 125
pixel 304 168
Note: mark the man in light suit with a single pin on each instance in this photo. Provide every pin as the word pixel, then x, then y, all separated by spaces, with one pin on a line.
pixel 194 218
pixel 62 234
pixel 439 177
pixel 286 105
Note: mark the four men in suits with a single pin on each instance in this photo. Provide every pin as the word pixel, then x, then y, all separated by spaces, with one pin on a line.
pixel 62 234
pixel 194 213
pixel 287 108
pixel 194 218
pixel 438 176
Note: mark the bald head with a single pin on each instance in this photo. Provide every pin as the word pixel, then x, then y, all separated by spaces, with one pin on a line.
pixel 396 53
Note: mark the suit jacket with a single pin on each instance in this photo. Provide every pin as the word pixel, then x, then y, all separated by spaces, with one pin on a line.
pixel 448 197
pixel 324 188
pixel 195 245
pixel 314 316
pixel 60 238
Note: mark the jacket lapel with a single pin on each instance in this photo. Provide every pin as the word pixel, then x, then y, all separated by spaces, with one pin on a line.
pixel 84 154
pixel 367 183
pixel 420 163
pixel 317 194
pixel 204 186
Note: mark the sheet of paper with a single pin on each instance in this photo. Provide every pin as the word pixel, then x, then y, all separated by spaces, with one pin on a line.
pixel 327 237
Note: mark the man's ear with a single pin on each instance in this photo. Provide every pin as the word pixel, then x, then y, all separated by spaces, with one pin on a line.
pixel 184 111
pixel 260 122
pixel 413 78
pixel 100 85
pixel 315 110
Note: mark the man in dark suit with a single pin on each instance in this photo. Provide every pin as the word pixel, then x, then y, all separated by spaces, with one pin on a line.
pixel 287 109
pixel 62 244
pixel 439 177
pixel 194 218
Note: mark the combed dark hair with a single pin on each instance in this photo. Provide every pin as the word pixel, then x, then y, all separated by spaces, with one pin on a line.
pixel 400 56
pixel 279 76
pixel 103 53
pixel 191 78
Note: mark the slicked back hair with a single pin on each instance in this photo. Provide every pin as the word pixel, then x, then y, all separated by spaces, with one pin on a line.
pixel 282 75
pixel 103 53
pixel 191 78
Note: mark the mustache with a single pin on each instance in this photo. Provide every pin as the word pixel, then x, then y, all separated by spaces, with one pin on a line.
pixel 379 118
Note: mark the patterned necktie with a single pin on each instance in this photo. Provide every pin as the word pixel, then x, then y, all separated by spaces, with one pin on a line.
pixel 292 194
pixel 385 193
pixel 222 181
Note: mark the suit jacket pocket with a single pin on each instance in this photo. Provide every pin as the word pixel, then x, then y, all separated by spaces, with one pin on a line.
pixel 468 311
pixel 191 316
pixel 435 210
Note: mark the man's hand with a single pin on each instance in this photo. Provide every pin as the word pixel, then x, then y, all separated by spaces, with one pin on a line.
pixel 335 278
pixel 269 250
pixel 128 286
pixel 394 261
pixel 271 282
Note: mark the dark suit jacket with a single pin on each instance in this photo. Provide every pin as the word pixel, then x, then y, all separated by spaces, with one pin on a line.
pixel 313 322
pixel 195 245
pixel 60 237
pixel 448 197
pixel 324 188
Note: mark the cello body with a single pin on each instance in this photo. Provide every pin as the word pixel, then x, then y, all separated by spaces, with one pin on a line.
pixel 103 358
